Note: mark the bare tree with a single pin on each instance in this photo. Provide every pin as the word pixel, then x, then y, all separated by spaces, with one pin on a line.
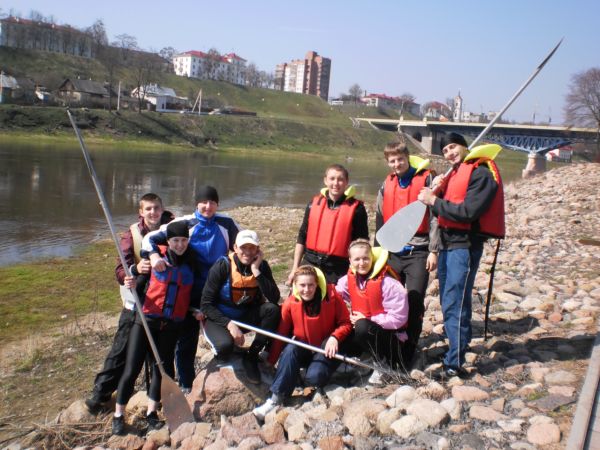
pixel 211 64
pixel 355 92
pixel 142 70
pixel 583 101
pixel 97 33
pixel 168 53
pixel 252 75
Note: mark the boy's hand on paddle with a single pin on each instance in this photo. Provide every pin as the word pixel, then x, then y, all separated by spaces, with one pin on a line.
pixel 236 334
pixel 331 347
pixel 129 282
pixel 427 196
pixel 431 263
pixel 144 266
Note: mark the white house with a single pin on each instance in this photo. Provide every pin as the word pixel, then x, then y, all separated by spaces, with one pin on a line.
pixel 195 64
pixel 163 98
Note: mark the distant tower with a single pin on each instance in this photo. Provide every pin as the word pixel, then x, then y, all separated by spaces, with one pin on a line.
pixel 458 108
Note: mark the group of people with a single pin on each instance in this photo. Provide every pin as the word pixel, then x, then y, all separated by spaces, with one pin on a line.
pixel 202 273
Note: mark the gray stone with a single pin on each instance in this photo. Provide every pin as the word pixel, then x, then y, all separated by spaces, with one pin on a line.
pixel 428 412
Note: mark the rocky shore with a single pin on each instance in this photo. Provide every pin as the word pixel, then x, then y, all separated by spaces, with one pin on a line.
pixel 525 379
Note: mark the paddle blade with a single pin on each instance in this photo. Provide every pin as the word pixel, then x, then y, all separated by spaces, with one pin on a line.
pixel 175 406
pixel 401 227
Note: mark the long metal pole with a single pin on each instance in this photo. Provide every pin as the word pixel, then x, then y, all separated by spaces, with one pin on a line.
pixel 113 233
pixel 306 346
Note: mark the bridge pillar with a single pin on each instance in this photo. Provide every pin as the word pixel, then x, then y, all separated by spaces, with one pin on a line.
pixel 536 164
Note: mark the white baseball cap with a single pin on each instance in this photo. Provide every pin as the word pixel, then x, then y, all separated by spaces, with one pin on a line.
pixel 246 237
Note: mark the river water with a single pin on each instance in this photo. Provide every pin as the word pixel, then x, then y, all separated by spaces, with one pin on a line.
pixel 48 205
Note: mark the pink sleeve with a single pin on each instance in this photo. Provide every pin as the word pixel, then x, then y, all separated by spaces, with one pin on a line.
pixel 342 288
pixel 395 305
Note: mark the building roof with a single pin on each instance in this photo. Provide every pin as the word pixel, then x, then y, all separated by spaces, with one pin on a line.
pixel 54 26
pixel 223 58
pixel 87 86
pixel 156 90
pixel 234 56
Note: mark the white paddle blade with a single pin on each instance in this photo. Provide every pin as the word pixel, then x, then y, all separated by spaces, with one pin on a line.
pixel 401 227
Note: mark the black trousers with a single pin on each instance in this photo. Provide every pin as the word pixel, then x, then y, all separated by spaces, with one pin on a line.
pixel 265 316
pixel 383 344
pixel 107 379
pixel 165 335
pixel 414 276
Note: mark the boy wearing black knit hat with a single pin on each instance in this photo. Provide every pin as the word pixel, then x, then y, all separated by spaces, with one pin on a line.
pixel 212 235
pixel 470 211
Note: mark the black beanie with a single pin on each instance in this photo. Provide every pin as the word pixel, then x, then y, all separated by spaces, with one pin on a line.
pixel 179 228
pixel 453 138
pixel 207 193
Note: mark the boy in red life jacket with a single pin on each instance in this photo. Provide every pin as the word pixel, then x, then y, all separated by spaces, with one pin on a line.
pixel 151 216
pixel 331 221
pixel 166 303
pixel 470 211
pixel 315 314
pixel 379 306
pixel 420 255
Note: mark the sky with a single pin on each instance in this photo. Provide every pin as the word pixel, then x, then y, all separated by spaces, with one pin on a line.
pixel 430 49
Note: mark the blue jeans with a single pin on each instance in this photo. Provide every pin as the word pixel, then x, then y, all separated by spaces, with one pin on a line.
pixel 319 369
pixel 185 352
pixel 456 271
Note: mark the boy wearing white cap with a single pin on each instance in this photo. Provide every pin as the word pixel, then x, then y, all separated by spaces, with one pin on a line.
pixel 241 287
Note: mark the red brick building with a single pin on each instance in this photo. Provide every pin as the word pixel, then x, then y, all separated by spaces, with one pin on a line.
pixel 305 76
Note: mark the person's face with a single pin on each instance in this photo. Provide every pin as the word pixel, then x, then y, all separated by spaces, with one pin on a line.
pixel 151 212
pixel 306 286
pixel 207 208
pixel 336 183
pixel 360 260
pixel 454 153
pixel 246 253
pixel 178 244
pixel 398 163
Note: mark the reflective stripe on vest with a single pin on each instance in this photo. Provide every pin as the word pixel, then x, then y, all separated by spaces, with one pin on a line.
pixel 491 222
pixel 396 197
pixel 330 230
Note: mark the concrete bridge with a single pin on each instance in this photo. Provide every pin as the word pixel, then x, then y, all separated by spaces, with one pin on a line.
pixel 537 140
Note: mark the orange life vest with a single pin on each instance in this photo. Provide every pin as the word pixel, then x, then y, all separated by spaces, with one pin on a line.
pixel 491 222
pixel 396 197
pixel 169 293
pixel 235 288
pixel 330 230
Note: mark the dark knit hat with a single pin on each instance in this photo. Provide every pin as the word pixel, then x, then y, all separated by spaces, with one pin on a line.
pixel 207 193
pixel 179 228
pixel 453 138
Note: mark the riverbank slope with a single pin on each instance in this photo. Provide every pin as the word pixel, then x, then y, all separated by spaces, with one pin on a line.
pixel 525 379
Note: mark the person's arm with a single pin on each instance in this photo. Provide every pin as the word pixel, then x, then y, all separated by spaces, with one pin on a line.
pixel 126 245
pixel 395 305
pixel 300 245
pixel 266 283
pixel 360 223
pixel 379 210
pixel 342 288
pixel 480 193
pixel 284 329
pixel 342 319
pixel 217 276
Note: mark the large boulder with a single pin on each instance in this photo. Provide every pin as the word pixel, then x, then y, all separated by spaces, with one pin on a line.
pixel 219 391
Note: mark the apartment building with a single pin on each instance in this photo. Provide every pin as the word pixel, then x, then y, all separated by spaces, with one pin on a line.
pixel 305 76
pixel 196 64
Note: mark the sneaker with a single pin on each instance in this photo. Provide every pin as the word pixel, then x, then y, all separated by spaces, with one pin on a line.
pixel 451 372
pixel 261 411
pixel 118 426
pixel 250 364
pixel 154 423
pixel 186 390
pixel 376 377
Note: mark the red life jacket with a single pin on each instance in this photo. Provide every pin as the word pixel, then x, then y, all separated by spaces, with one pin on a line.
pixel 330 230
pixel 169 293
pixel 314 330
pixel 369 300
pixel 396 197
pixel 491 222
